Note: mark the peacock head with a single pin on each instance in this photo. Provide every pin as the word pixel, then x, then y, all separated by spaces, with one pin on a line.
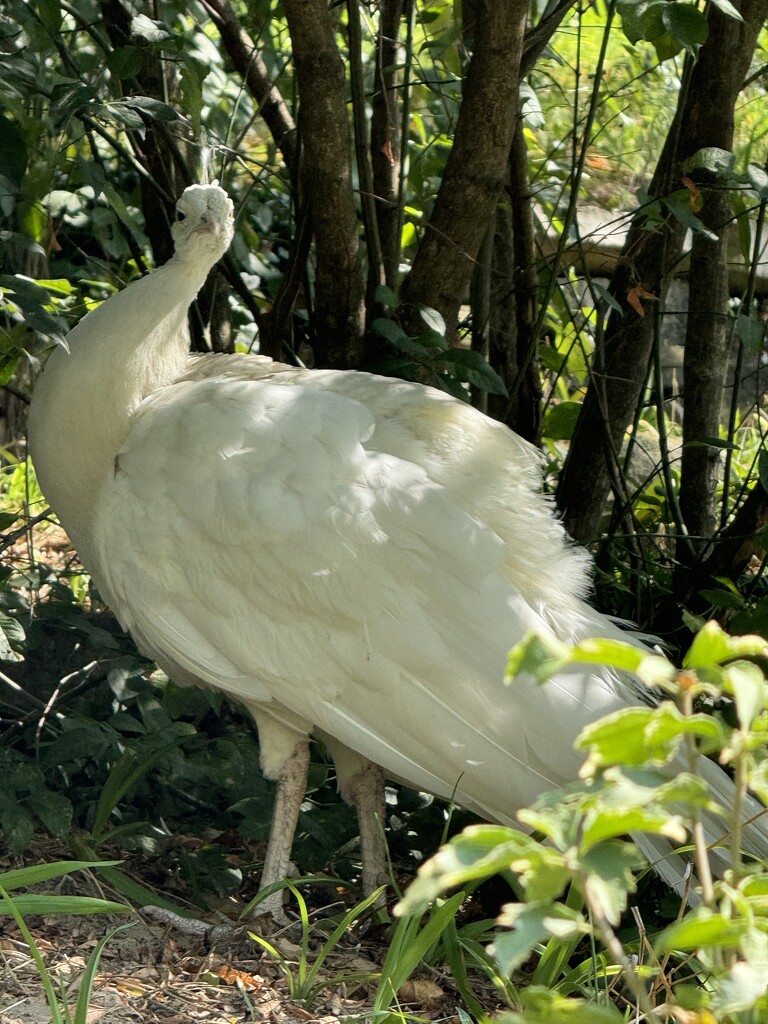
pixel 205 221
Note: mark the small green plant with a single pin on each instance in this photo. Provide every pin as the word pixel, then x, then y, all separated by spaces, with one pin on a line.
pixel 410 946
pixel 429 357
pixel 646 773
pixel 36 903
pixel 303 976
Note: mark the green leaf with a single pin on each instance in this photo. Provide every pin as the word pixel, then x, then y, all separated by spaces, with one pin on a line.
pixel 758 179
pixel 8 519
pixel 479 852
pixel 544 1006
pixel 17 824
pixel 639 735
pixel 747 684
pixel 388 329
pixel 712 646
pixel 11 637
pixel 155 109
pixel 539 655
pixel 709 647
pixel 529 924
pixel 56 286
pixel 32 301
pixel 751 333
pixel 134 763
pixel 652 669
pixel 640 19
pixel 679 206
pixel 28 903
pixel 472 367
pixel 432 319
pixel 118 205
pixel 702 929
pixel 412 347
pixel 152 31
pixel 551 359
pixel 544 872
pixel 50 15
pixel 139 894
pixel 713 442
pixel 386 296
pixel 403 957
pixel 87 982
pixel 120 116
pixel 727 8
pixel 54 811
pixel 652 22
pixel 531 111
pixel 125 61
pixel 68 100
pixel 37 873
pixel 609 876
pixel 762 469
pixel 607 824
pixel 618 654
pixel 686 24
pixel 718 162
pixel 560 421
pixel 610 300
pixel 666 47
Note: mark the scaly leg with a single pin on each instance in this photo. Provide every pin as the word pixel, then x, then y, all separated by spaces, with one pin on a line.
pixel 291 787
pixel 361 784
pixel 284 744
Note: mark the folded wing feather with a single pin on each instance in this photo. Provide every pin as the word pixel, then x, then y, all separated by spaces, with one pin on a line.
pixel 345 557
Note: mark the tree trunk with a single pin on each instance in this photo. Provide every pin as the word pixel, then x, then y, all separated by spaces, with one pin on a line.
pixel 385 142
pixel 169 174
pixel 704 118
pixel 512 345
pixel 375 266
pixel 327 183
pixel 705 368
pixel 158 199
pixel 477 165
pixel 247 61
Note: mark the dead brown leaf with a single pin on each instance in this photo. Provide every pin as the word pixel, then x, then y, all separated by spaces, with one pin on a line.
pixel 421 991
pixel 635 295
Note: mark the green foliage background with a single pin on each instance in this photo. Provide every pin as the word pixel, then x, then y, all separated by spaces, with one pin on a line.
pixel 102 752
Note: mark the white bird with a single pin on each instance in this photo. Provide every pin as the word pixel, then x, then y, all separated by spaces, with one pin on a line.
pixel 344 553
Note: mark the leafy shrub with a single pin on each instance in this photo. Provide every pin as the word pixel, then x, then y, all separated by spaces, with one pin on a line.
pixel 578 873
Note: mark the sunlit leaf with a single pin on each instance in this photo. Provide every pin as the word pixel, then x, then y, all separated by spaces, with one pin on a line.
pixel 560 421
pixel 747 684
pixel 529 924
pixel 702 929
pixel 538 655
pixel 478 852
pixel 546 1006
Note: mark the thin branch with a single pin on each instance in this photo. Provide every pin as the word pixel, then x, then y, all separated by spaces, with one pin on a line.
pixel 364 170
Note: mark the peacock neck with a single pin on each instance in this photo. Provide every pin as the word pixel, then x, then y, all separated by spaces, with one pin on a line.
pixel 86 397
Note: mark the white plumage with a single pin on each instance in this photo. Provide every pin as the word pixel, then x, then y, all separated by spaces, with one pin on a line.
pixel 344 553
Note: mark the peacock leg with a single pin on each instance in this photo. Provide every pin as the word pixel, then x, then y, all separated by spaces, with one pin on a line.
pixel 284 743
pixel 291 788
pixel 361 784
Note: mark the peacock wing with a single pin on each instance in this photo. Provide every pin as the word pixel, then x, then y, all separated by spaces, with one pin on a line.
pixel 286 541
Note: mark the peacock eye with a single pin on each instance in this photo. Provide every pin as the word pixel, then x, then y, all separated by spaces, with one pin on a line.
pixel 180 216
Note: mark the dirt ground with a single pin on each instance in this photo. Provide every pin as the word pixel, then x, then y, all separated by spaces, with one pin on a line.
pixel 157 967
pixel 154 973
